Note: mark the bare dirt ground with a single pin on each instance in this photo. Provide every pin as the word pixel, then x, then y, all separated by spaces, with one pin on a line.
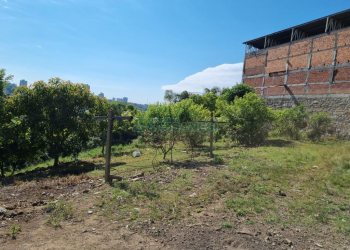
pixel 25 203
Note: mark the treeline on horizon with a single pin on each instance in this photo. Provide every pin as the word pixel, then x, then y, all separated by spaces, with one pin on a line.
pixel 55 119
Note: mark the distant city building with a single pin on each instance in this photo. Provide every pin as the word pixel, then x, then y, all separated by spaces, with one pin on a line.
pixel 23 83
pixel 101 95
pixel 124 99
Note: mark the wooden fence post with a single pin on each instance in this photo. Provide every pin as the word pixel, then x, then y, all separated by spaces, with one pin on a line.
pixel 108 147
pixel 211 135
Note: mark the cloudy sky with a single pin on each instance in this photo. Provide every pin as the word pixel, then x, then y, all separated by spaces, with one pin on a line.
pixel 224 75
pixel 138 48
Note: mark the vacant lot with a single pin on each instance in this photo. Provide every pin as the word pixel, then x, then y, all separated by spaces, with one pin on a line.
pixel 283 195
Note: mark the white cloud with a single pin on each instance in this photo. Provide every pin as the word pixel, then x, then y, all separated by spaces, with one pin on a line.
pixel 224 75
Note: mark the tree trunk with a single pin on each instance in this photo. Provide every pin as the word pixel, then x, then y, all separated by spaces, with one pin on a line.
pixel 2 171
pixel 56 161
pixel 103 149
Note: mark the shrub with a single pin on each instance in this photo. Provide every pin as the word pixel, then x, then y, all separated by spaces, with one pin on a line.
pixel 290 122
pixel 248 118
pixel 319 125
pixel 15 229
pixel 218 160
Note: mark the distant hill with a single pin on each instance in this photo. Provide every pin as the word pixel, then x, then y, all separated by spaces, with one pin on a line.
pixel 142 107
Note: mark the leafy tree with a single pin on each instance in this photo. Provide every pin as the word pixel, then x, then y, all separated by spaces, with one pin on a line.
pixel 65 116
pixel 124 131
pixel 249 119
pixel 290 122
pixel 197 99
pixel 214 90
pixel 170 96
pixel 4 81
pixel 159 128
pixel 183 96
pixel 17 143
pixel 190 116
pixel 239 90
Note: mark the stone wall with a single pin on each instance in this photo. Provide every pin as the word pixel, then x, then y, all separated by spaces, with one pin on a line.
pixel 337 106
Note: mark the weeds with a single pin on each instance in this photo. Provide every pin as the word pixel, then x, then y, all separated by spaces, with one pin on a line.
pixel 15 229
pixel 226 225
pixel 59 211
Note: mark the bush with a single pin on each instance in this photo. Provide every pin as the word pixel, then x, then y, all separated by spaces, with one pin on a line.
pixel 290 122
pixel 248 118
pixel 319 124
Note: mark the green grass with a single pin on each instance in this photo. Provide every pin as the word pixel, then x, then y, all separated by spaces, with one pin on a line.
pixel 289 183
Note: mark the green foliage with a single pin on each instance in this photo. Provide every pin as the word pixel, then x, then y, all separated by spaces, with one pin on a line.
pixel 170 96
pixel 165 124
pixel 4 81
pixel 190 114
pixel 64 115
pixel 341 173
pixel 15 229
pixel 249 119
pixel 249 204
pixel 59 211
pixel 209 101
pixel 290 122
pixel 157 124
pixel 4 151
pixel 319 124
pixel 218 160
pixel 237 91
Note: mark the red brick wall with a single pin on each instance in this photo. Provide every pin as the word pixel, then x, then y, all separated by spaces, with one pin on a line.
pixel 310 70
pixel 342 74
pixel 298 62
pixel 278 53
pixel 300 48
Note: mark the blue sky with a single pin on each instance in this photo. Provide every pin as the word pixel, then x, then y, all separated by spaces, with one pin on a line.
pixel 135 47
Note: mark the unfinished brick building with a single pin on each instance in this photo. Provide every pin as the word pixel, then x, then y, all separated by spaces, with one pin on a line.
pixel 308 64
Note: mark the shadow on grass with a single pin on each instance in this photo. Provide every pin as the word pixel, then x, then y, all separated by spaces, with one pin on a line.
pixel 64 169
pixel 278 143
pixel 116 164
pixel 187 164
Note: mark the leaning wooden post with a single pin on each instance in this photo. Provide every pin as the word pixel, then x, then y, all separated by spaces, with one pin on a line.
pixel 108 147
pixel 211 135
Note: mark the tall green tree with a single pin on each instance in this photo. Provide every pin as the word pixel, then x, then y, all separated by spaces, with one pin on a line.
pixel 191 116
pixel 65 116
pixel 159 126
pixel 4 81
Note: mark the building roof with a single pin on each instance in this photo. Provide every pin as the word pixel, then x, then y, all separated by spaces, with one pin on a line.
pixel 312 28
